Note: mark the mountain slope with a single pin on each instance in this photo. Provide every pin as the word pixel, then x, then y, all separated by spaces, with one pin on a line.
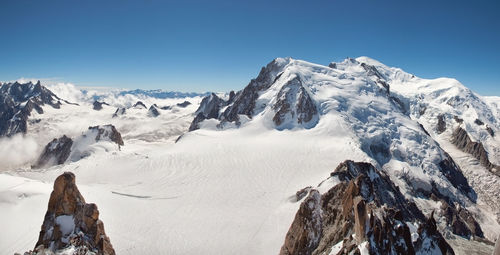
pixel 235 182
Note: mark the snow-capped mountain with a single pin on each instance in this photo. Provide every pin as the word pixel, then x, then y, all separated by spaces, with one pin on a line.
pixel 400 121
pixel 17 101
pixel 270 167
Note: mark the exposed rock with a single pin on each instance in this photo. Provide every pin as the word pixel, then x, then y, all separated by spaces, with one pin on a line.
pixel 461 139
pixel 305 232
pixel 153 111
pixel 490 131
pixel 140 105
pixel 302 193
pixel 184 104
pixel 458 120
pixel 107 133
pixel 371 70
pixel 55 153
pixel 454 174
pixel 244 101
pixel 478 122
pixel 430 239
pixel 98 105
pixel 462 222
pixel 71 221
pixel 209 109
pixel 119 112
pixel 17 102
pixel 367 204
pixel 441 125
pixel 293 105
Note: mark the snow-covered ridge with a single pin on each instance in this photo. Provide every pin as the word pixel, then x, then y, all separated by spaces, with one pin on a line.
pixel 393 116
pixel 253 150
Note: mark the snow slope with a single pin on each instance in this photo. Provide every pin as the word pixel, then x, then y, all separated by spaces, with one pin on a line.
pixel 230 188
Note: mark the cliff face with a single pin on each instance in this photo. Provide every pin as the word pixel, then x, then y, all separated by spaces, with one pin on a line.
pixel 70 221
pixel 461 139
pixel 364 211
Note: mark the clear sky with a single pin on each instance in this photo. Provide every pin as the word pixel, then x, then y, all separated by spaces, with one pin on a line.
pixel 220 45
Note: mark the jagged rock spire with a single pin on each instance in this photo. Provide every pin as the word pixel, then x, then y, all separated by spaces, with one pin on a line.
pixel 70 221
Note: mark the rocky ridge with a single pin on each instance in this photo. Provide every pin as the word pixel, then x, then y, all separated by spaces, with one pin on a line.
pixel 365 210
pixel 18 100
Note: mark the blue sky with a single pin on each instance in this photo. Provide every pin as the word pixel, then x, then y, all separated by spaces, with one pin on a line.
pixel 221 45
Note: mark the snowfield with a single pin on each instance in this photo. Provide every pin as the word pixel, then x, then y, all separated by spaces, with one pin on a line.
pixel 226 189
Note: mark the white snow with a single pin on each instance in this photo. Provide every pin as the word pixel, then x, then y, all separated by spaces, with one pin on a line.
pixel 226 191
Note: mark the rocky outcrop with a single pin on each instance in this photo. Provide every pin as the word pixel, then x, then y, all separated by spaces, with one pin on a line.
pixel 98 105
pixel 55 153
pixel 461 221
pixel 244 101
pixel 455 176
pixel 70 221
pixel 364 207
pixel 209 109
pixel 153 111
pixel 441 125
pixel 478 122
pixel 17 101
pixel 490 131
pixel 119 112
pixel 430 240
pixel 183 104
pixel 293 104
pixel 107 133
pixel 140 105
pixel 305 232
pixel 461 139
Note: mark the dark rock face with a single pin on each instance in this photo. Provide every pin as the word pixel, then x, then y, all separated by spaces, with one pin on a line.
pixel 98 105
pixel 119 112
pixel 457 119
pixel 304 234
pixel 371 70
pixel 55 153
pixel 454 174
pixel 184 104
pixel 441 126
pixel 108 132
pixel 428 231
pixel 244 101
pixel 139 104
pixel 71 221
pixel 209 109
pixel 366 203
pixel 461 139
pixel 490 131
pixel 18 100
pixel 462 222
pixel 153 111
pixel 294 102
pixel 478 122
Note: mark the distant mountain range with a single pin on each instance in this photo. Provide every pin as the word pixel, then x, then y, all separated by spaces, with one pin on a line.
pixel 355 157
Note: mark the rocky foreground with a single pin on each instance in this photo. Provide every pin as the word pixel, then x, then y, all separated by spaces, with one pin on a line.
pixel 71 226
pixel 364 213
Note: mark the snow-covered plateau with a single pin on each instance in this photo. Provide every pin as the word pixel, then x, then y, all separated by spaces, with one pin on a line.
pixel 242 172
